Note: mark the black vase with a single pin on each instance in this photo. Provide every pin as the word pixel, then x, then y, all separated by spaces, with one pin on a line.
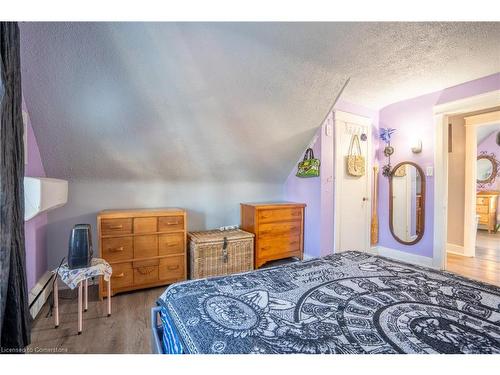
pixel 80 250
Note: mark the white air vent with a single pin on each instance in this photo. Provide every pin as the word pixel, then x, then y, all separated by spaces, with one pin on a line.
pixel 43 194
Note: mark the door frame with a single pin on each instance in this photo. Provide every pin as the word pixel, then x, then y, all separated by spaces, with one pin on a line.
pixel 442 113
pixel 472 123
pixel 341 118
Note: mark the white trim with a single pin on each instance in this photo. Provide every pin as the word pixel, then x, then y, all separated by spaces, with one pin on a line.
pixel 340 118
pixel 471 125
pixel 35 309
pixel 451 248
pixel 441 113
pixel 402 256
pixel 472 103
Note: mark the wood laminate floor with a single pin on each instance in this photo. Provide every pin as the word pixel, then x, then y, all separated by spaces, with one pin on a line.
pixel 485 266
pixel 127 330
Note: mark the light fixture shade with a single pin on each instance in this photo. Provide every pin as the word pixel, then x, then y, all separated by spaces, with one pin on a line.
pixel 416 146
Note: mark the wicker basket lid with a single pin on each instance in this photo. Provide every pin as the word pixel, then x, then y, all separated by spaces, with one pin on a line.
pixel 218 235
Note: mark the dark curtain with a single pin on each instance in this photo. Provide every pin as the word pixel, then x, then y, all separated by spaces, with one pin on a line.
pixel 15 319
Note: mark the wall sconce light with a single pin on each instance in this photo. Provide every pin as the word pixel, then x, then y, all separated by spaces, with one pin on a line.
pixel 416 146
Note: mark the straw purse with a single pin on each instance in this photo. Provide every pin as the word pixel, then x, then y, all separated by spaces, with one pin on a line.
pixel 355 161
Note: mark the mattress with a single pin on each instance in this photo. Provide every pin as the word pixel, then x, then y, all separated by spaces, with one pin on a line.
pixel 350 302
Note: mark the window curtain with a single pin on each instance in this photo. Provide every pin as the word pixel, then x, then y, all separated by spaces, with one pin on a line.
pixel 15 319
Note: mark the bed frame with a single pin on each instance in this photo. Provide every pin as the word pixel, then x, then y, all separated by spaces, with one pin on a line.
pixel 156 331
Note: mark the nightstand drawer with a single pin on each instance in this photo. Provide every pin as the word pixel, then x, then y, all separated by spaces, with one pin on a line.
pixel 119 248
pixel 482 200
pixel 111 227
pixel 145 246
pixel 169 244
pixel 172 268
pixel 145 225
pixel 482 209
pixel 170 223
pixel 146 272
pixel 123 275
pixel 280 214
pixel 279 245
pixel 280 228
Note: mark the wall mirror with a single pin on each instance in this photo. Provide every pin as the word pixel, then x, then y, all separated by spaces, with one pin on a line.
pixel 407 203
pixel 487 169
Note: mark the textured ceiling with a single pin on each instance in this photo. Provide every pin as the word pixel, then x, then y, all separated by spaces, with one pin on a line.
pixel 223 101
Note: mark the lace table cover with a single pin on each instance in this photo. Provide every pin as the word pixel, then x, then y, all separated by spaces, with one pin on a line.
pixel 72 278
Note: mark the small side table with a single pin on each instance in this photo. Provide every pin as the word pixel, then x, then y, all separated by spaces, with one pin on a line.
pixel 79 278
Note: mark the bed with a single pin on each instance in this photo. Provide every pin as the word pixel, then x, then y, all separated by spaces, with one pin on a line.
pixel 350 302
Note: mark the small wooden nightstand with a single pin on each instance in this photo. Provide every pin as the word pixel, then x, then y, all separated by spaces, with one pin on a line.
pixel 486 209
pixel 278 229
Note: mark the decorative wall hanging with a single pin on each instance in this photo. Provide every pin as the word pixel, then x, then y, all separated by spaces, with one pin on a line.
pixel 309 167
pixel 385 135
pixel 355 159
pixel 486 169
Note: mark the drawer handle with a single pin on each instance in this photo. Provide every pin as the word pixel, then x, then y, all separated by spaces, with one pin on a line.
pixel 173 223
pixel 118 276
pixel 172 268
pixel 116 249
pixel 173 244
pixel 145 270
pixel 115 226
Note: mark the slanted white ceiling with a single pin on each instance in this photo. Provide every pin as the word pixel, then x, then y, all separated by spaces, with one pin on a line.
pixel 223 101
pixel 484 132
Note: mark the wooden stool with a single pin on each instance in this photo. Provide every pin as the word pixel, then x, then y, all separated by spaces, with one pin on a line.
pixel 82 274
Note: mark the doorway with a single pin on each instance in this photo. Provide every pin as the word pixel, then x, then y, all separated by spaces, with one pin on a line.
pixel 352 193
pixel 472 207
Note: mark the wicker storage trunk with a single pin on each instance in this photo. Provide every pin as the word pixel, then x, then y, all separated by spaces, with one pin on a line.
pixel 216 252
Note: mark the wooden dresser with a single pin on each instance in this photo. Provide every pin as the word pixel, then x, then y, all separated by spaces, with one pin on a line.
pixel 486 208
pixel 278 229
pixel 145 247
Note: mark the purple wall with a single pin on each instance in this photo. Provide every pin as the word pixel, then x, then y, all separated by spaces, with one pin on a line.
pixel 414 118
pixel 34 229
pixel 308 191
pixel 318 193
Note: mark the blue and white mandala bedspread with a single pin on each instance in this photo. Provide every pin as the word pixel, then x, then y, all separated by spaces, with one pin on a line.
pixel 346 303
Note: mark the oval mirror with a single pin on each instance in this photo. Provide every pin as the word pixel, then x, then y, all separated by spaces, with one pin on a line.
pixel 486 169
pixel 407 203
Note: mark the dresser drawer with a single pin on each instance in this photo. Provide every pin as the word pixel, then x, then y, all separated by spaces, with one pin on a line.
pixel 145 246
pixel 483 219
pixel 111 227
pixel 278 245
pixel 280 228
pixel 146 272
pixel 170 223
pixel 482 200
pixel 482 209
pixel 123 275
pixel 172 268
pixel 171 244
pixel 116 249
pixel 145 225
pixel 279 214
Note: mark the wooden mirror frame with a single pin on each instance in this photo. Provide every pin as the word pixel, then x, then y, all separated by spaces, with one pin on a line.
pixel 494 170
pixel 422 193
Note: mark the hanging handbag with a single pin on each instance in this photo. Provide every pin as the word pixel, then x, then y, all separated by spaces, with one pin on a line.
pixel 355 161
pixel 309 167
